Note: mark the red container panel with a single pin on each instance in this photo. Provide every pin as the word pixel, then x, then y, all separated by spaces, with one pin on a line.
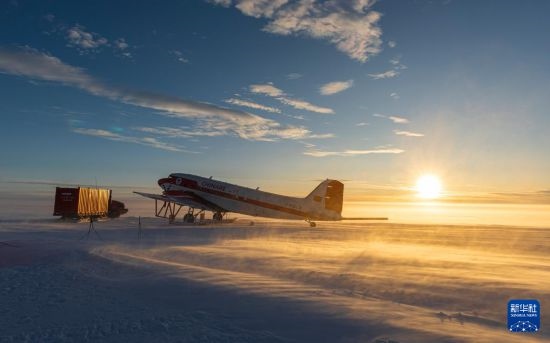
pixel 66 202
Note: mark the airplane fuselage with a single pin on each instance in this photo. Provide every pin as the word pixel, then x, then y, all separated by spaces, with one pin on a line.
pixel 233 198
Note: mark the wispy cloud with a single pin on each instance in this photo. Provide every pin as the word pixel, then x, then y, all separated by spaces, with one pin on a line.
pixel 121 47
pixel 408 133
pixel 395 119
pixel 58 183
pixel 335 87
pixel 394 95
pixel 260 8
pixel 540 197
pixel 147 141
pixel 224 3
pixel 250 104
pixel 294 76
pixel 392 44
pixel 211 129
pixel 396 62
pixel 362 124
pixel 304 105
pixel 272 91
pixel 347 153
pixel 321 135
pixel 179 56
pixel 49 17
pixel 266 89
pixel 175 132
pixel 33 64
pixel 385 75
pixel 121 44
pixel 308 145
pixel 351 26
pixel 393 72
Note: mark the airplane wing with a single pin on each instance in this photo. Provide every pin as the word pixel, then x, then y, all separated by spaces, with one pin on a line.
pixel 190 200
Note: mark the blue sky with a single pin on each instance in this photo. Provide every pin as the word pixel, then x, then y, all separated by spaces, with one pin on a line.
pixel 277 93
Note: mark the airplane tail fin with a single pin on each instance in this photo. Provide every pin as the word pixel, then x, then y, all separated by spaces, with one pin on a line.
pixel 329 195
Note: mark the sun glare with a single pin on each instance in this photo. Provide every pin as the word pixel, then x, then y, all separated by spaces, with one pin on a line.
pixel 428 187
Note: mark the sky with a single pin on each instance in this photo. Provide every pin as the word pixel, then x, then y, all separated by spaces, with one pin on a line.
pixel 278 94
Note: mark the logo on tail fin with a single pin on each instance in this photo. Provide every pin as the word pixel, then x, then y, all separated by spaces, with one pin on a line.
pixel 329 195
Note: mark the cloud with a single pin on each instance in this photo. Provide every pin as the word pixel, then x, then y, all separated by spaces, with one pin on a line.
pixel 266 89
pixel 260 8
pixel 147 141
pixel 211 129
pixel 224 3
pixel 335 87
pixel 362 124
pixel 121 48
pixel 396 62
pixel 392 44
pixel 179 56
pixel 308 145
pixel 537 197
pixel 394 96
pixel 397 65
pixel 385 75
pixel 36 65
pixel 395 119
pixel 294 76
pixel 85 41
pixel 408 133
pixel 350 25
pixel 398 120
pixel 251 104
pixel 121 44
pixel 90 42
pixel 321 135
pixel 272 91
pixel 304 105
pixel 321 153
pixel 174 132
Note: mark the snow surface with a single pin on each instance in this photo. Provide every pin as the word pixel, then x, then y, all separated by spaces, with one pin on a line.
pixel 275 281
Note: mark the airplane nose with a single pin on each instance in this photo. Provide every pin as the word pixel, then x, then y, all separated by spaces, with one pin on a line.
pixel 165 180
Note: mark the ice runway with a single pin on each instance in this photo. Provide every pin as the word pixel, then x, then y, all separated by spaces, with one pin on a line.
pixel 271 282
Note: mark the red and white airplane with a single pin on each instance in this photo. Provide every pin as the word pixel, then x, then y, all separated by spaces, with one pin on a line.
pixel 324 203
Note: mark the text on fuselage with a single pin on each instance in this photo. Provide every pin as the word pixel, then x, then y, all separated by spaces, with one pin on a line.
pixel 212 185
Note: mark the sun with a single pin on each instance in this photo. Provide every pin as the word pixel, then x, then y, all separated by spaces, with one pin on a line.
pixel 428 187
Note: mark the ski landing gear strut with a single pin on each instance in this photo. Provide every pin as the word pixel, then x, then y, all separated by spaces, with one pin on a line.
pixel 217 217
pixel 189 217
